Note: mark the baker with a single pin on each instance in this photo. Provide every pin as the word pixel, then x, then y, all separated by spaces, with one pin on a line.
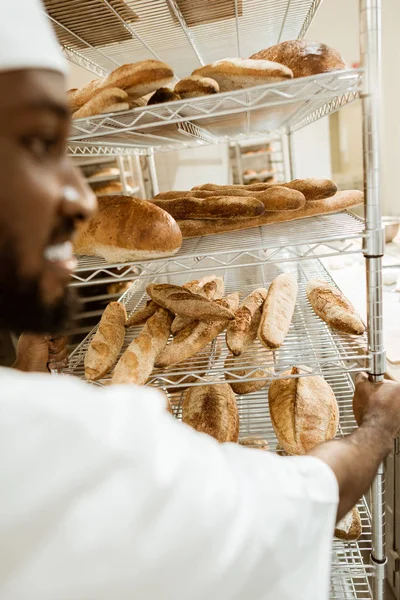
pixel 103 494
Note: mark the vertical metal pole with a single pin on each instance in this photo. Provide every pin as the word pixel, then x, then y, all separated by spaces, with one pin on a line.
pixel 239 164
pixel 153 172
pixel 122 177
pixel 374 245
pixel 291 172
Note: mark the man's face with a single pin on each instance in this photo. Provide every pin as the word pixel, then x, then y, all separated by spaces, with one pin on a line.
pixel 38 206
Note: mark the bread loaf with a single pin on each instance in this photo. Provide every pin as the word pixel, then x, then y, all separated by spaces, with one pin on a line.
pixel 238 73
pixel 162 95
pixel 79 97
pixel 340 201
pixel 195 86
pixel 278 311
pixel 256 378
pixel 212 409
pixel 126 229
pixel 192 339
pixel 210 291
pixel 217 207
pixel 303 57
pixel 200 363
pixel 104 101
pixel 142 314
pixel 242 331
pixel 106 343
pixel 182 301
pixel 334 308
pixel 313 188
pixel 304 411
pixel 140 78
pixel 254 442
pixel 137 362
pixel 113 187
pixel 349 528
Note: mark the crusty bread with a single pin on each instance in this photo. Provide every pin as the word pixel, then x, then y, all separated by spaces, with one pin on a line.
pixel 137 362
pixel 341 200
pixel 112 187
pixel 195 86
pixel 182 301
pixel 208 290
pixel 181 376
pixel 104 101
pixel 303 57
pixel 304 411
pixel 333 307
pixel 140 78
pixel 162 95
pixel 79 97
pixel 216 207
pixel 192 339
pixel 238 73
pixel 349 528
pixel 212 409
pixel 278 311
pixel 313 188
pixel 106 343
pixel 242 331
pixel 254 442
pixel 141 315
pixel 255 379
pixel 126 229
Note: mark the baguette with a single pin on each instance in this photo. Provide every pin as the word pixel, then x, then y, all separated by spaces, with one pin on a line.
pixel 106 343
pixel 105 101
pixel 254 442
pixel 209 290
pixel 278 311
pixel 256 379
pixel 195 228
pixel 182 301
pixel 140 316
pixel 350 527
pixel 333 307
pixel 193 338
pixel 203 359
pixel 140 78
pixel 137 362
pixel 304 412
pixel 212 409
pixel 216 207
pixel 242 332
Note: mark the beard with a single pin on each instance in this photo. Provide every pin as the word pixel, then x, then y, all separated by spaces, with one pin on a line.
pixel 22 307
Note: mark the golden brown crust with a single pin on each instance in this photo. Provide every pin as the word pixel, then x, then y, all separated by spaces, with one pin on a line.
pixel 340 201
pixel 257 380
pixel 216 207
pixel 141 315
pixel 195 86
pixel 137 362
pixel 242 331
pixel 212 409
pixel 313 188
pixel 192 339
pixel 140 78
pixel 278 311
pixel 104 101
pixel 162 95
pixel 107 342
pixel 182 301
pixel 303 57
pixel 210 291
pixel 350 527
pixel 254 442
pixel 119 231
pixel 333 307
pixel 304 411
pixel 79 97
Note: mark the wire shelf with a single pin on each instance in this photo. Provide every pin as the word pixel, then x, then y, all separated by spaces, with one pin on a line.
pixel 230 116
pixel 322 236
pixel 188 34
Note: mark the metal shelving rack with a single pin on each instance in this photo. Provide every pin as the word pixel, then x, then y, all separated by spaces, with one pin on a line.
pixel 253 257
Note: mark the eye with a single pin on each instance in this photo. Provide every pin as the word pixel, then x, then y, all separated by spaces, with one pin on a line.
pixel 41 146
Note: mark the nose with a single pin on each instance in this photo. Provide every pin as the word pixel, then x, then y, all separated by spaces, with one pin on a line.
pixel 78 201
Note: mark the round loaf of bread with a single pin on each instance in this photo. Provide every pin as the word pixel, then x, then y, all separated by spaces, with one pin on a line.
pixel 164 94
pixel 303 57
pixel 141 78
pixel 126 229
pixel 105 101
pixel 238 73
pixel 194 86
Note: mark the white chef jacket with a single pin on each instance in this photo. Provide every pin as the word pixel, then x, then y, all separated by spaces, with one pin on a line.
pixel 105 496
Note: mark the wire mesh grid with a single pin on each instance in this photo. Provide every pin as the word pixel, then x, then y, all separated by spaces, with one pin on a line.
pixel 224 117
pixel 323 235
pixel 103 34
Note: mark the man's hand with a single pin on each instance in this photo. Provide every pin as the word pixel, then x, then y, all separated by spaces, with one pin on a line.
pixel 40 353
pixel 377 404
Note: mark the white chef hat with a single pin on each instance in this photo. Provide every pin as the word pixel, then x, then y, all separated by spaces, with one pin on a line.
pixel 26 38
